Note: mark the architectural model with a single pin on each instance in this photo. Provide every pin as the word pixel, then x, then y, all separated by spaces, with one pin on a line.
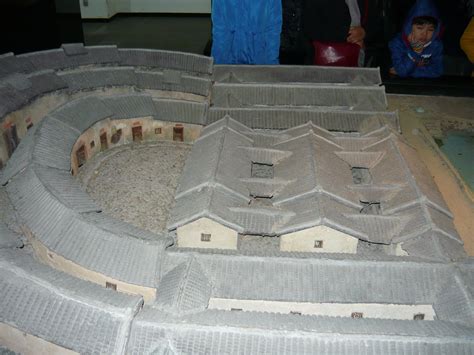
pixel 303 222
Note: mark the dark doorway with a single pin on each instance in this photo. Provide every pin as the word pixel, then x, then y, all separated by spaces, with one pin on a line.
pixel 81 156
pixel 178 134
pixel 137 134
pixel 103 142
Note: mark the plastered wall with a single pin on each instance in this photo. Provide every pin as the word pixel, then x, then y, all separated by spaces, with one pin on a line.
pixel 332 240
pixel 221 237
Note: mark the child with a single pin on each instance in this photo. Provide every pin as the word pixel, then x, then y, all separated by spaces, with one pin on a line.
pixel 418 50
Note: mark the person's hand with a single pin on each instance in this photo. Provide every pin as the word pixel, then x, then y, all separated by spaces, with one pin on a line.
pixel 356 35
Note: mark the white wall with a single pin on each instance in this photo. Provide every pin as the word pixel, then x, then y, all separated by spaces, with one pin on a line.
pixel 369 310
pixel 333 241
pixel 108 8
pixel 189 235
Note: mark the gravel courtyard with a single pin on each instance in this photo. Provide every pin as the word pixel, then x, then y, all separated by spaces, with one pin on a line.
pixel 137 182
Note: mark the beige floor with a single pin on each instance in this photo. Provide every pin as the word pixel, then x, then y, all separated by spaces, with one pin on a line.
pixel 421 118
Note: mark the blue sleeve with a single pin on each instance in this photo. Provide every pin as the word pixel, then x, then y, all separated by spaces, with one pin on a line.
pixel 435 67
pixel 404 60
pixel 401 61
pixel 273 32
pixel 221 34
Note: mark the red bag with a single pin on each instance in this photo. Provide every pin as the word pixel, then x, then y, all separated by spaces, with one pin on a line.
pixel 336 54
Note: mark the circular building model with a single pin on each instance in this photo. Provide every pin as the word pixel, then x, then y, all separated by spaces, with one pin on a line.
pixel 276 209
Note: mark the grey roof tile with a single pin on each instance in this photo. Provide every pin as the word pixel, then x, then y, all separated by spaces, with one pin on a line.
pixel 60 309
pixel 11 100
pixel 66 189
pixel 342 97
pixel 160 81
pixel 82 113
pixel 71 56
pixel 55 155
pixel 166 59
pixel 121 256
pixel 184 289
pixel 49 59
pixel 213 161
pixel 91 78
pixel 130 106
pixel 295 74
pixel 181 111
pixel 214 332
pixel 8 238
pixel 9 64
pixel 284 118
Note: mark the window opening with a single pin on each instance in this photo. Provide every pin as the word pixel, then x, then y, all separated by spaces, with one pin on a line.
pixel 295 312
pixel 137 134
pixel 92 144
pixel 116 136
pixel 158 130
pixel 318 243
pixel 419 316
pixel 357 315
pixel 361 176
pixel 81 156
pixel 111 285
pixel 29 126
pixel 371 208
pixel 262 171
pixel 1 164
pixel 103 142
pixel 178 134
pixel 236 309
pixel 205 237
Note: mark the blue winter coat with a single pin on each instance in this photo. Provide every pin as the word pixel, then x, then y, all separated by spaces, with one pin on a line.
pixel 402 53
pixel 246 31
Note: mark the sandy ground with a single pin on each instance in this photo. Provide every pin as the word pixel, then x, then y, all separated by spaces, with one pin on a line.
pixel 421 119
pixel 137 182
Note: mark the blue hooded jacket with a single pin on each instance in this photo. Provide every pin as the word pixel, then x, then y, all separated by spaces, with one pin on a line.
pixel 404 58
pixel 246 31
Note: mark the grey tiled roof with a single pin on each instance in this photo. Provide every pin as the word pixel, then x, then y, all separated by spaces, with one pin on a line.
pixel 342 97
pixel 55 155
pixel 65 188
pixel 295 74
pixel 18 90
pixel 185 83
pixel 8 239
pixel 184 289
pixel 181 111
pixel 91 78
pixel 213 161
pixel 122 255
pixel 82 113
pixel 312 185
pixel 71 56
pixel 166 59
pixel 215 332
pixel 9 64
pixel 284 118
pixel 58 308
pixel 130 106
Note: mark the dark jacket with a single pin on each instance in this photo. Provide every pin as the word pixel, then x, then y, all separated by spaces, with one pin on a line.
pixel 405 59
pixel 326 20
pixel 246 31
